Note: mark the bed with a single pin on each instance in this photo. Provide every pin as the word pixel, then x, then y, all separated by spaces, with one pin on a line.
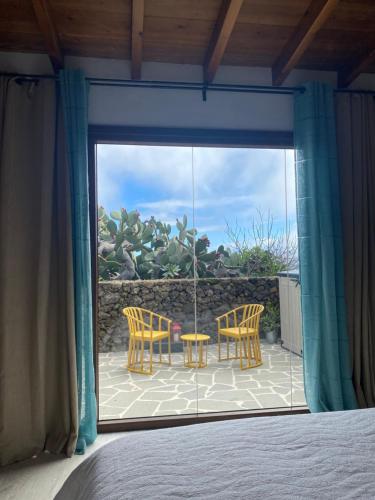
pixel 325 456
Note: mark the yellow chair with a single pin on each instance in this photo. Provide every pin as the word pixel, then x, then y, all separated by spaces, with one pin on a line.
pixel 242 325
pixel 146 326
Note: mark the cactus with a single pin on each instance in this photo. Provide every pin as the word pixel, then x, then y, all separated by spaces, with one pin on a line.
pixel 129 248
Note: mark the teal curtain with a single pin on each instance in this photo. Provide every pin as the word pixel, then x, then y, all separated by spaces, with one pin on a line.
pixel 327 368
pixel 74 94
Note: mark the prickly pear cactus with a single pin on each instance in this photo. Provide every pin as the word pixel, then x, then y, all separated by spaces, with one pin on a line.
pixel 129 248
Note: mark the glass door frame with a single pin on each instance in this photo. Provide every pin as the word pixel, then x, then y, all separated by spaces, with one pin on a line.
pixel 169 137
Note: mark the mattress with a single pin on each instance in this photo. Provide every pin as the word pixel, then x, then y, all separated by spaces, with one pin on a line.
pixel 325 456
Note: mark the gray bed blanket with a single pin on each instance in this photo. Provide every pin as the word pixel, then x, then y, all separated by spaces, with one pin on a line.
pixel 325 456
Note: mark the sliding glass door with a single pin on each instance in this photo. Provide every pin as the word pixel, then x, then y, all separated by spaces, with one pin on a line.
pixel 198 292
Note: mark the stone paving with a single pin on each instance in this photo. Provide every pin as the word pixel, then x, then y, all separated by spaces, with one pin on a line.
pixel 218 387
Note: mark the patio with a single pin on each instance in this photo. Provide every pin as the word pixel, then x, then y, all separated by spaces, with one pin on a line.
pixel 218 387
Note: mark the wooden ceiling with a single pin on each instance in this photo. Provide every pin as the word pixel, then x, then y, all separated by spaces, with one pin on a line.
pixel 336 35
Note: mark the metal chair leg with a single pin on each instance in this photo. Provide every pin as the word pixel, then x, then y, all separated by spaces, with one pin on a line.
pixel 241 355
pixel 169 349
pixel 130 352
pixel 142 352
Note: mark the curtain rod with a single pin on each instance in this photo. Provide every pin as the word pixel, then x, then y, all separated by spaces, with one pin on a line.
pixel 197 86
pixel 202 87
pixel 169 85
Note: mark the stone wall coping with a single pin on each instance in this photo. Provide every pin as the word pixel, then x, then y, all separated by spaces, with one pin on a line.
pixel 187 280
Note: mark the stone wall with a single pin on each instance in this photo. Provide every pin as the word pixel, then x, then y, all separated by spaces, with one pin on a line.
pixel 175 300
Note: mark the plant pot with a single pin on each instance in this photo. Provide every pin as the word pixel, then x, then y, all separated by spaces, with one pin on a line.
pixel 271 337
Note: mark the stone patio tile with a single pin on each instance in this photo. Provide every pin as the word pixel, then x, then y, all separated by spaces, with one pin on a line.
pixel 193 395
pixel 217 367
pixel 252 373
pixel 243 376
pixel 221 387
pixel 216 405
pixel 104 400
pixel 248 384
pixel 107 368
pixel 299 387
pixel 119 367
pixel 140 409
pixel 123 372
pixel 280 372
pixel 263 390
pixel 110 382
pixel 297 379
pixel 224 377
pixel 205 378
pixel 265 383
pixel 202 392
pixel 177 382
pixel 188 377
pixel 127 387
pixel 276 378
pixel 124 399
pixel 170 413
pixel 298 397
pixel 189 411
pixel 156 396
pixel 161 374
pixel 147 383
pixel 282 390
pixel 107 412
pixel 250 405
pixel 170 388
pixel 174 405
pixel 233 395
pixel 108 391
pixel 186 387
pixel 271 401
pixel 281 365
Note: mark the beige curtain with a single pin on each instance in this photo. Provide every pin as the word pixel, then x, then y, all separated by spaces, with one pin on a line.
pixel 356 145
pixel 38 392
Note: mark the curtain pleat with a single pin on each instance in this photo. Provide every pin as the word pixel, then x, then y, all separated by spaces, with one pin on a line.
pixel 356 152
pixel 74 93
pixel 327 369
pixel 38 387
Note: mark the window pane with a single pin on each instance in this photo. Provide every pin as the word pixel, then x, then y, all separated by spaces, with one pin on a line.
pixel 145 263
pixel 246 237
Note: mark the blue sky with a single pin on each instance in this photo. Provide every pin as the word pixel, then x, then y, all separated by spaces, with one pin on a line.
pixel 230 185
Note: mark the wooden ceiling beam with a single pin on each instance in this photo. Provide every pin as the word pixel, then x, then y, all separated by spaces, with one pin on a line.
pixel 138 12
pixel 50 35
pixel 348 75
pixel 224 26
pixel 312 21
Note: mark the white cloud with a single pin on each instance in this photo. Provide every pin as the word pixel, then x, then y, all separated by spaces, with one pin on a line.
pixel 214 227
pixel 229 184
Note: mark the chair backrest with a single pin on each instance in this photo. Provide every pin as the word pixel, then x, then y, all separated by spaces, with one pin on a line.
pixel 138 318
pixel 251 315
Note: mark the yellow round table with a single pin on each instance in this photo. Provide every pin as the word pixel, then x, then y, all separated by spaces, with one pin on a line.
pixel 201 342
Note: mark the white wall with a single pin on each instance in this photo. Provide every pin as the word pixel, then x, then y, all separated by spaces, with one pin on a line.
pixel 181 108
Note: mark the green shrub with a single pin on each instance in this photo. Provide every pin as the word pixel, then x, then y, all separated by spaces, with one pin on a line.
pixel 270 319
